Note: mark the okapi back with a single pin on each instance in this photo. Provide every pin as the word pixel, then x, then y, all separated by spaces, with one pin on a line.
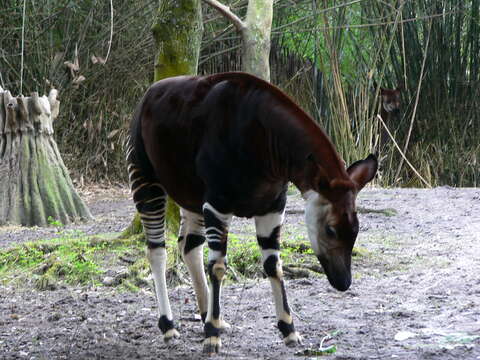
pixel 234 131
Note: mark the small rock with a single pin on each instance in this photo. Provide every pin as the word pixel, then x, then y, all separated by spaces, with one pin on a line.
pixel 54 317
pixel 108 281
pixel 404 335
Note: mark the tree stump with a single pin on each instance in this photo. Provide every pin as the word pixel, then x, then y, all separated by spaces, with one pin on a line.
pixel 35 186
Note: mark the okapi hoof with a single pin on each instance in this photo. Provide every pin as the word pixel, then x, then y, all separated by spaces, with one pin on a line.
pixel 170 334
pixel 212 345
pixel 223 325
pixel 293 339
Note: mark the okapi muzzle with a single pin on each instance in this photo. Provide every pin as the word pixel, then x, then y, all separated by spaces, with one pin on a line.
pixel 337 268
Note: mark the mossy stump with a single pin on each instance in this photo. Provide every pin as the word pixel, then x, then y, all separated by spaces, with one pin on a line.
pixel 35 186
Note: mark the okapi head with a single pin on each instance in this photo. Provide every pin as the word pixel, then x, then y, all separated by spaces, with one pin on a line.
pixel 332 222
pixel 390 99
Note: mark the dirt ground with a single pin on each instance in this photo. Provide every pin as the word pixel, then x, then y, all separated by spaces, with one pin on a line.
pixel 415 295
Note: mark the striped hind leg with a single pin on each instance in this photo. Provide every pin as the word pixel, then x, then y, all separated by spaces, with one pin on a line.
pixel 268 237
pixel 150 200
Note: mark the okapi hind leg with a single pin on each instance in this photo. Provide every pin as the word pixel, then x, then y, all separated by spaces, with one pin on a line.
pixel 216 229
pixel 150 200
pixel 268 237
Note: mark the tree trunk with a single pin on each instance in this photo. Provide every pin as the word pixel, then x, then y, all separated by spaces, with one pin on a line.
pixel 256 38
pixel 255 32
pixel 35 185
pixel 177 32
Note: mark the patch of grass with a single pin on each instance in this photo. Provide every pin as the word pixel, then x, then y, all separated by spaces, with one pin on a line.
pixel 292 189
pixel 387 212
pixel 71 259
pixel 359 251
pixel 52 222
pixel 109 260
pixel 244 258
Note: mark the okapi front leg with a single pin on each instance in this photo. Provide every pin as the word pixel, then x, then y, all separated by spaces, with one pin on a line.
pixel 216 229
pixel 190 244
pixel 150 199
pixel 268 237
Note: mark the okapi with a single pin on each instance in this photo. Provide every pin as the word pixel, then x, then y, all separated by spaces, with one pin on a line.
pixel 228 144
pixel 390 101
pixel 390 105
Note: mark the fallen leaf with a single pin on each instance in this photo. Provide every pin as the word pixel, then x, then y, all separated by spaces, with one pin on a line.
pixel 404 335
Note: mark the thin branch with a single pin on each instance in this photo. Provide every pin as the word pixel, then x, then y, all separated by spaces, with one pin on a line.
pixel 416 102
pixel 111 30
pixel 225 11
pixel 218 53
pixel 357 26
pixel 402 154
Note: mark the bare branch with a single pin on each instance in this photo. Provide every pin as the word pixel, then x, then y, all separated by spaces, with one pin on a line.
pixel 225 11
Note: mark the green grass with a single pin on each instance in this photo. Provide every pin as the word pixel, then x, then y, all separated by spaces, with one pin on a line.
pixel 71 259
pixel 75 259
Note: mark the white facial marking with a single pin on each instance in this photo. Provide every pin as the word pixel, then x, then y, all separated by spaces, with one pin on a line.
pixel 315 215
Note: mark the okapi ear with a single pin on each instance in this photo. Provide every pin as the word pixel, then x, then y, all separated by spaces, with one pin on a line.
pixel 361 172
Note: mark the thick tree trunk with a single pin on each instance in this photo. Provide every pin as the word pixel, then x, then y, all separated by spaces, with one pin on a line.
pixel 177 32
pixel 35 186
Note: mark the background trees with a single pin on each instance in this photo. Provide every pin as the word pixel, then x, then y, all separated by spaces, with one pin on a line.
pixel 324 53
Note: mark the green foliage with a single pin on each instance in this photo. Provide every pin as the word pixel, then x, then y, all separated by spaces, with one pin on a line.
pixel 244 257
pixel 53 222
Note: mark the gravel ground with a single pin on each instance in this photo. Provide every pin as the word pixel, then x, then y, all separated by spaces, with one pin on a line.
pixel 416 295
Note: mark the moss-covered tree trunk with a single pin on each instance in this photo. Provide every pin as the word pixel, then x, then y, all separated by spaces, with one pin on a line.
pixel 177 32
pixel 35 186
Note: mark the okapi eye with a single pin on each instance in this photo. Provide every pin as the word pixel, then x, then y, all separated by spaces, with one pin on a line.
pixel 330 231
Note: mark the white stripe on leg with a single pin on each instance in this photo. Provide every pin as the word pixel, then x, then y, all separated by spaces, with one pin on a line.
pixel 158 263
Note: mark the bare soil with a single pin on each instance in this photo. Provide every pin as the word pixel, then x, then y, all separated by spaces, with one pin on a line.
pixel 415 295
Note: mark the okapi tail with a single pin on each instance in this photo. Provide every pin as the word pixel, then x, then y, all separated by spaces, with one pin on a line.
pixel 136 155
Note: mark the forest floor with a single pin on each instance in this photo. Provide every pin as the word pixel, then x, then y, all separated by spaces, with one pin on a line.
pixel 415 294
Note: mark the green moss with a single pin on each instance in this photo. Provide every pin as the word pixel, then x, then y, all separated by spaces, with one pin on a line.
pixel 177 32
pixel 135 228
pixel 73 259
pixel 360 252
